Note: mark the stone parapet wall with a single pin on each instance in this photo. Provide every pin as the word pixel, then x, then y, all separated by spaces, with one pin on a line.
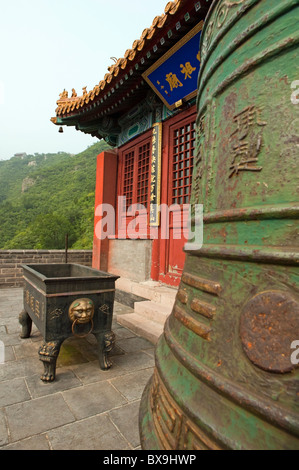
pixel 11 273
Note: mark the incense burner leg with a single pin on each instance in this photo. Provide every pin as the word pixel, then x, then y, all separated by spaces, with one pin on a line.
pixel 26 322
pixel 106 343
pixel 48 354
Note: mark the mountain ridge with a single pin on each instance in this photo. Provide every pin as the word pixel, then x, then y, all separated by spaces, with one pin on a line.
pixel 43 197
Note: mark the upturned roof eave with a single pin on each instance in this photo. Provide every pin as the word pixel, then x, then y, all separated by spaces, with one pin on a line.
pixel 124 76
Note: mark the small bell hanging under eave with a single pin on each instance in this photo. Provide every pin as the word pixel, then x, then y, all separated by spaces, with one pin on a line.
pixel 60 130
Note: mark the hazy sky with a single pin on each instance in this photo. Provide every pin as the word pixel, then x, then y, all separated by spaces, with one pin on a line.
pixel 49 45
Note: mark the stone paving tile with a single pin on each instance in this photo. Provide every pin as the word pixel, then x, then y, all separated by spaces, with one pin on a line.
pixel 134 344
pixel 126 420
pixel 91 372
pixel 10 309
pixel 32 443
pixel 12 326
pixel 116 351
pixel 65 379
pixel 26 349
pixel 9 353
pixel 20 368
pixel 132 385
pixel 134 361
pixel 10 339
pixel 93 399
pixel 3 429
pixel 85 407
pixel 120 309
pixel 69 354
pixel 94 433
pixel 150 352
pixel 13 391
pixel 37 416
pixel 122 333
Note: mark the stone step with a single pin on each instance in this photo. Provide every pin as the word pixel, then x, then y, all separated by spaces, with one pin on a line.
pixel 159 294
pixel 141 326
pixel 150 290
pixel 149 315
pixel 153 311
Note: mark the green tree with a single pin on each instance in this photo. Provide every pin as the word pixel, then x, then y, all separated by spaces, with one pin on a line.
pixel 60 200
pixel 51 230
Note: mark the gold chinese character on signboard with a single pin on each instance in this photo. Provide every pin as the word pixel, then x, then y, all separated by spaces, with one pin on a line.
pixel 152 213
pixel 173 81
pixel 187 69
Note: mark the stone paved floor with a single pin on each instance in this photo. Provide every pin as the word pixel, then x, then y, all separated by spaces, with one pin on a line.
pixel 85 408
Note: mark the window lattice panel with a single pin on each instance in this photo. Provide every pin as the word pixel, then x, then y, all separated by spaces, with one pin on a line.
pixel 182 163
pixel 128 178
pixel 143 174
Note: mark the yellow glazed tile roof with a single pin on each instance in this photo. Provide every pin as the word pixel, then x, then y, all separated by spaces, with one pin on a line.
pixel 68 104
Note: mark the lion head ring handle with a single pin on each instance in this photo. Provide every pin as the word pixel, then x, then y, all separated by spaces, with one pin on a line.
pixel 81 311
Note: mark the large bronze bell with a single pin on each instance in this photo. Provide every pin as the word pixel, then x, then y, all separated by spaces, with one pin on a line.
pixel 226 373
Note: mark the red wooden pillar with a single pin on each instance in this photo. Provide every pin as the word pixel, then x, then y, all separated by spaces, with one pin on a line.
pixel 105 193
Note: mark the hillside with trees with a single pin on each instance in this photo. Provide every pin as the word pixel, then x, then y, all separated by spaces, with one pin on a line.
pixel 43 197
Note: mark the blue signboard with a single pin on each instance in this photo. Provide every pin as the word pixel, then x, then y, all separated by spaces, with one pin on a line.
pixel 174 76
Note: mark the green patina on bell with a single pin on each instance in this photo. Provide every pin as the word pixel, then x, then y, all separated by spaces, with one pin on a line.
pixel 226 374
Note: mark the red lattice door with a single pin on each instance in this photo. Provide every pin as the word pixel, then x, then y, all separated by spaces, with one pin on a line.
pixel 134 186
pixel 180 146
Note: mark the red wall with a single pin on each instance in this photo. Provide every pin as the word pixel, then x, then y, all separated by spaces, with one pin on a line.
pixel 106 183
